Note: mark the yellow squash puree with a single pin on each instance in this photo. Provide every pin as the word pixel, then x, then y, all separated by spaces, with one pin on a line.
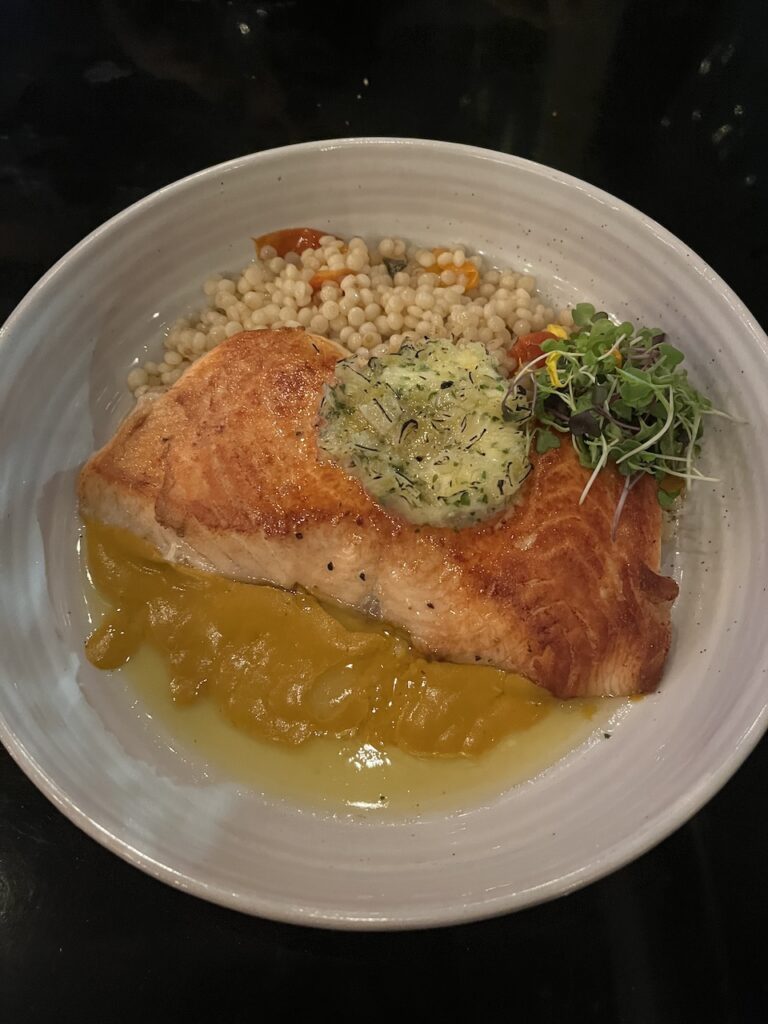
pixel 282 667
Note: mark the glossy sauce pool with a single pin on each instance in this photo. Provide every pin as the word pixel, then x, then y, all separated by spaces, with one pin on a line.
pixel 315 704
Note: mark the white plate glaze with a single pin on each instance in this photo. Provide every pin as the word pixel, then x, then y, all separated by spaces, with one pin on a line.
pixel 65 354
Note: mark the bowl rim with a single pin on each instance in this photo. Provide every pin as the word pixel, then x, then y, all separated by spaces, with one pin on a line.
pixel 650 832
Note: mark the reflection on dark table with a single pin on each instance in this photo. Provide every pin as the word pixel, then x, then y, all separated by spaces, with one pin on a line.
pixel 661 103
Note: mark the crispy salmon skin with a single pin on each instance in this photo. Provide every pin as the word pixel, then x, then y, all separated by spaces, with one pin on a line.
pixel 223 472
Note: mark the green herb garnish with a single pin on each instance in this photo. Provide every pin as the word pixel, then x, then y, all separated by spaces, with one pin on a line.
pixel 624 398
pixel 546 440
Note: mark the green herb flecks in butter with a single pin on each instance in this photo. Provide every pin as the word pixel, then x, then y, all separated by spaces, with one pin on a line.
pixel 423 431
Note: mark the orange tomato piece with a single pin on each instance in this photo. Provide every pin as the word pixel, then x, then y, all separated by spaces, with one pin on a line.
pixel 290 240
pixel 324 276
pixel 528 346
pixel 468 269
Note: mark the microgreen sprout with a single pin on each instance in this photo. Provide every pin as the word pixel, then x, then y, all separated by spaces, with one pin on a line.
pixel 622 396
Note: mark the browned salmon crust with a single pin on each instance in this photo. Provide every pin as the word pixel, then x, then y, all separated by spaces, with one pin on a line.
pixel 223 472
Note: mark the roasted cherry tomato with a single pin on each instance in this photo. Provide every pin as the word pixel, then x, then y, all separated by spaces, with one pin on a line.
pixel 468 269
pixel 528 346
pixel 290 240
pixel 324 276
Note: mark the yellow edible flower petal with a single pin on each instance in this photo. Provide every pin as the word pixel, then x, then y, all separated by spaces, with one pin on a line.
pixel 557 330
pixel 551 364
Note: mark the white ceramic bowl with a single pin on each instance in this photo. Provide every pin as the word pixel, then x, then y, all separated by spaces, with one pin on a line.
pixel 65 354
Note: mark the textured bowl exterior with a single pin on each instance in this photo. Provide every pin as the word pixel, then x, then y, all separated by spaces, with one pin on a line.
pixel 65 353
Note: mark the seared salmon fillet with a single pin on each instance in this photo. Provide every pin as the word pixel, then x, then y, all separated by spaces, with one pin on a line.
pixel 223 472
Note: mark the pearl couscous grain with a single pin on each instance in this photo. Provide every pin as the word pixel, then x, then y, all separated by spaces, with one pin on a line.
pixel 390 294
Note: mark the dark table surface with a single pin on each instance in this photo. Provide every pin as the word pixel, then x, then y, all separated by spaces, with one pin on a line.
pixel 661 102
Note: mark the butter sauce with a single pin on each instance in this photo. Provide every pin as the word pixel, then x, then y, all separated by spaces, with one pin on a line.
pixel 304 701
